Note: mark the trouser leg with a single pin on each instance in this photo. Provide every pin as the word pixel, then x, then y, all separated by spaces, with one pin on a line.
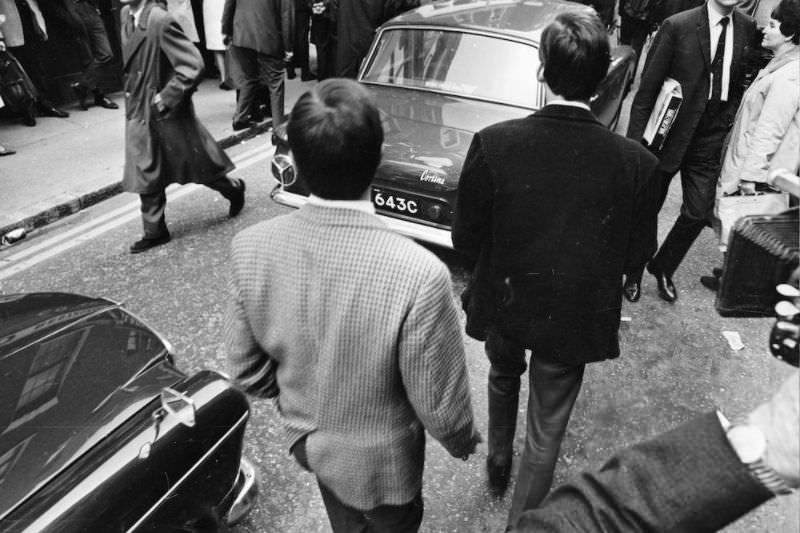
pixel 247 82
pixel 554 387
pixel 98 44
pixel 153 206
pixel 507 360
pixel 301 25
pixel 271 73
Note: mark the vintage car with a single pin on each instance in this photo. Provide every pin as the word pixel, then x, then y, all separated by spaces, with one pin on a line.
pixel 440 73
pixel 99 431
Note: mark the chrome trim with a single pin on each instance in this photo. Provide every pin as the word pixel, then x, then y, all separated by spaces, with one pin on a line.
pixel 169 494
pixel 245 500
pixel 416 231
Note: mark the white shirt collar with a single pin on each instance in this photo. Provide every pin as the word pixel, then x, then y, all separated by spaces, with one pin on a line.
pixel 714 17
pixel 359 205
pixel 570 103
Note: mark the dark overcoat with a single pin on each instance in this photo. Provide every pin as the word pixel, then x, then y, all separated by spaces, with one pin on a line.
pixel 681 50
pixel 554 208
pixel 158 58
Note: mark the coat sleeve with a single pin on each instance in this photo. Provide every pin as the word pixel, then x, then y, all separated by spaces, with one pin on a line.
pixel 644 225
pixel 228 11
pixel 656 69
pixel 287 25
pixel 187 64
pixel 472 222
pixel 433 365
pixel 251 367
pixel 779 110
pixel 688 479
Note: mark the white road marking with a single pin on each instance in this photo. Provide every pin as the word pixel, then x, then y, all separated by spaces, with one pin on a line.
pixel 62 242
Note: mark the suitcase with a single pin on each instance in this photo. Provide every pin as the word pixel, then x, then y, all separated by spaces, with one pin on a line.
pixel 762 253
pixel 16 88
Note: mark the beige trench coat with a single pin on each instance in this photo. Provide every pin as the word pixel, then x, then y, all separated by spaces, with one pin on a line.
pixel 158 58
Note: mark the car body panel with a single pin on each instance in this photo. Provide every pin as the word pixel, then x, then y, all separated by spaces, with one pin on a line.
pixel 428 126
pixel 86 444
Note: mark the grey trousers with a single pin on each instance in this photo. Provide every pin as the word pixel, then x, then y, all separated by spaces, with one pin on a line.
pixel 255 71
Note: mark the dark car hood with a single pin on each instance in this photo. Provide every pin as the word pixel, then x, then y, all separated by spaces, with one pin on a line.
pixel 427 134
pixel 72 369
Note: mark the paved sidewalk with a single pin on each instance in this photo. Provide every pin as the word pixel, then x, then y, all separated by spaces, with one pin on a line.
pixel 65 165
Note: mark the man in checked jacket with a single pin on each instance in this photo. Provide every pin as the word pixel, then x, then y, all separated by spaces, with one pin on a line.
pixel 350 326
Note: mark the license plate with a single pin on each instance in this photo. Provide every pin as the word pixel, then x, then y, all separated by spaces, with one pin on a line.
pixel 397 203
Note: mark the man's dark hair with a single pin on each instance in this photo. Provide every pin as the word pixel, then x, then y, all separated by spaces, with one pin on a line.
pixel 787 12
pixel 574 52
pixel 335 134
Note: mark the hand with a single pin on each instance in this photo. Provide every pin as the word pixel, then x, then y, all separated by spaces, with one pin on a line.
pixel 288 56
pixel 159 104
pixel 477 438
pixel 779 419
pixel 2 45
pixel 747 188
pixel 226 39
pixel 318 8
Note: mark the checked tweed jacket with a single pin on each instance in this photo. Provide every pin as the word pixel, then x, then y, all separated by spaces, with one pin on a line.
pixel 358 327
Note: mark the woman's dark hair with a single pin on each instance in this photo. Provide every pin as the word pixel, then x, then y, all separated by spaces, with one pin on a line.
pixel 335 134
pixel 787 12
pixel 574 50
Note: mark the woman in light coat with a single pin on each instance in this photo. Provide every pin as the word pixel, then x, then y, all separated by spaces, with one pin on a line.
pixel 766 133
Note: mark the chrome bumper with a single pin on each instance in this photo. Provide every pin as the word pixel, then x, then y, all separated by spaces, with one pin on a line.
pixel 246 492
pixel 418 232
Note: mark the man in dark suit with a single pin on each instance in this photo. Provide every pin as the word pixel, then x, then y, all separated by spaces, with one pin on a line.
pixel 705 49
pixel 261 33
pixel 550 207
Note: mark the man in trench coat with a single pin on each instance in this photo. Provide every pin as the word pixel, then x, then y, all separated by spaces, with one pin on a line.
pixel 164 141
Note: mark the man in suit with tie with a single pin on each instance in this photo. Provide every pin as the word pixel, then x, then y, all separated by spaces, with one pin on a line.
pixel 551 207
pixel 705 49
pixel 350 326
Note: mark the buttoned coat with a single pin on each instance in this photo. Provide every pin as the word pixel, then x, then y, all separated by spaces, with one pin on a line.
pixel 266 26
pixel 681 50
pixel 554 208
pixel 356 330
pixel 766 134
pixel 158 58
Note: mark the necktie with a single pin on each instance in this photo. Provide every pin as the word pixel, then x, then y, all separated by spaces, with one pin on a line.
pixel 717 64
pixel 129 25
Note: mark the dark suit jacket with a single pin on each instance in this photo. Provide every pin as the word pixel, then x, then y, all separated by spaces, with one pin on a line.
pixel 688 479
pixel 681 50
pixel 266 26
pixel 557 207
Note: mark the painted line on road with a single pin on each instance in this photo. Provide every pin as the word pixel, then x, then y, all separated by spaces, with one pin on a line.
pixel 69 239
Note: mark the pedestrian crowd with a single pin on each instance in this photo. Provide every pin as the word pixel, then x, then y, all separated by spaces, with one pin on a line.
pixel 352 330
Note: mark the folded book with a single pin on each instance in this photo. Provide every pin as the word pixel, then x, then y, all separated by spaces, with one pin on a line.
pixel 663 115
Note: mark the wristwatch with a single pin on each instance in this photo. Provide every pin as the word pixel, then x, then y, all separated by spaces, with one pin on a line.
pixel 750 444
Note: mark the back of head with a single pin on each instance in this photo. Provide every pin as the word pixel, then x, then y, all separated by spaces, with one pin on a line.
pixel 335 134
pixel 787 12
pixel 575 54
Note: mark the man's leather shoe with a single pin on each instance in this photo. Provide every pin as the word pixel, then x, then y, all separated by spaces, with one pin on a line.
pixel 666 289
pixel 145 243
pixel 632 289
pixel 28 118
pixel 243 124
pixel 6 151
pixel 307 75
pixel 710 282
pixel 47 109
pixel 717 272
pixel 499 474
pixel 104 101
pixel 290 73
pixel 237 201
pixel 81 92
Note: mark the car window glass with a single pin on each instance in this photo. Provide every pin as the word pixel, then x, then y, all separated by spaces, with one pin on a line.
pixel 466 64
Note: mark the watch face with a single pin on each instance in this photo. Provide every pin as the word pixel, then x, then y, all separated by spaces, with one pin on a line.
pixel 748 442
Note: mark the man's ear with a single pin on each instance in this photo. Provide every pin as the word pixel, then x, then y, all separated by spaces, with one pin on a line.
pixel 540 74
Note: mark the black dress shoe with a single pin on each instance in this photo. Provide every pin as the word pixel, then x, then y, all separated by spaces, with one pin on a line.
pixel 666 289
pixel 499 474
pixel 710 282
pixel 104 101
pixel 290 73
pixel 632 289
pixel 47 109
pixel 81 92
pixel 6 151
pixel 307 75
pixel 28 118
pixel 717 272
pixel 237 201
pixel 145 243
pixel 243 124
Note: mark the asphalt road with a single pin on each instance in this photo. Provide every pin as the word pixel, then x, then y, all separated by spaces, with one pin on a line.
pixel 675 362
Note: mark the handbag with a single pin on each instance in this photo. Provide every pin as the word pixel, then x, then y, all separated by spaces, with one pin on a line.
pixel 729 209
pixel 16 89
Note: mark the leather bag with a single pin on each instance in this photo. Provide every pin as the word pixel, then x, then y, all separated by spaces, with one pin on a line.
pixel 16 89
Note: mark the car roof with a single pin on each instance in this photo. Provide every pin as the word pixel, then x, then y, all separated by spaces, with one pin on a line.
pixel 524 19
